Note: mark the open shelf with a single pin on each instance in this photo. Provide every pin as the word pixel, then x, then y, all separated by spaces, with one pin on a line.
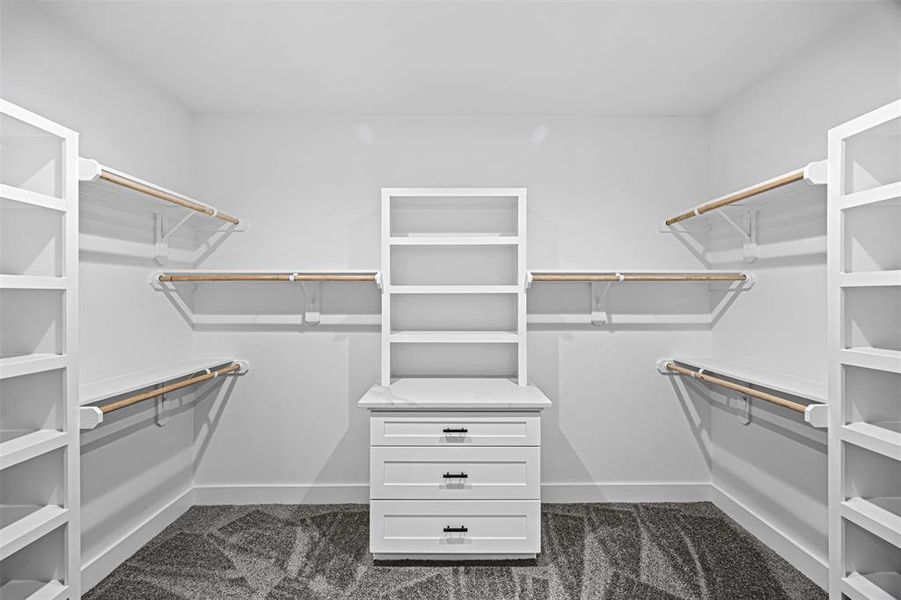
pixel 460 239
pixel 882 585
pixel 8 192
pixel 26 364
pixel 19 446
pixel 34 590
pixel 802 387
pixel 882 359
pixel 454 337
pixel 883 437
pixel 871 279
pixel 32 282
pixel 98 391
pixel 21 525
pixel 884 194
pixel 454 289
pixel 880 516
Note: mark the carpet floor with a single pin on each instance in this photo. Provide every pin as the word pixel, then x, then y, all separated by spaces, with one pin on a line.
pixel 664 551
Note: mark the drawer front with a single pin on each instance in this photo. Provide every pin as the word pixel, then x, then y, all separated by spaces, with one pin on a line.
pixel 455 430
pixel 430 473
pixel 489 527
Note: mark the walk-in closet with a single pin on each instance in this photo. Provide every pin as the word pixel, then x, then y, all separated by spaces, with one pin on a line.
pixel 450 300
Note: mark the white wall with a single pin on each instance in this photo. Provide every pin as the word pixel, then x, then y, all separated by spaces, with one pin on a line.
pixel 309 187
pixel 776 467
pixel 130 468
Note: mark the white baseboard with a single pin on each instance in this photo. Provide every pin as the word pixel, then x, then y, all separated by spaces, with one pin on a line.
pixel 570 492
pixel 566 492
pixel 311 493
pixel 813 567
pixel 93 571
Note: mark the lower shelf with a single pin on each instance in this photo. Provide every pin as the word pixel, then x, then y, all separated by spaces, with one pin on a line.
pixel 883 437
pixel 34 590
pixel 879 516
pixel 18 446
pixel 873 586
pixel 21 525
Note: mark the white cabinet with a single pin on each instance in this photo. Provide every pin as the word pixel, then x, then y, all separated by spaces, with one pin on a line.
pixel 455 429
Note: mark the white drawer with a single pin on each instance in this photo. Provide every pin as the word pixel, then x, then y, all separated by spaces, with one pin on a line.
pixel 455 429
pixel 475 527
pixel 440 473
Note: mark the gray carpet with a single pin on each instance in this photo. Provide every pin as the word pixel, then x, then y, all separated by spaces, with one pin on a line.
pixel 590 551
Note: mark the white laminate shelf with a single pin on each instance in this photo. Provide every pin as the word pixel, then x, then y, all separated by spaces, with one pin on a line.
pixel 19 446
pixel 881 359
pixel 871 279
pixel 32 282
pixel 454 393
pixel 881 585
pixel 98 391
pixel 883 437
pixel 879 516
pixel 33 590
pixel 885 194
pixel 453 289
pixel 454 240
pixel 453 337
pixel 20 525
pixel 26 364
pixel 21 196
pixel 809 389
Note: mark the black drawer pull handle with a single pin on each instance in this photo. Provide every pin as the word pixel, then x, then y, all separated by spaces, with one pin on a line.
pixel 455 430
pixel 455 475
pixel 461 529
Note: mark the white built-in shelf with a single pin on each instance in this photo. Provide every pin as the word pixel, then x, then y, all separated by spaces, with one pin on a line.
pixel 457 392
pixel 809 389
pixel 882 585
pixel 454 337
pixel 19 446
pixel 26 364
pixel 34 590
pixel 32 282
pixel 889 194
pixel 871 279
pixel 460 239
pixel 879 516
pixel 98 391
pixel 882 437
pixel 9 192
pixel 21 525
pixel 882 359
pixel 455 289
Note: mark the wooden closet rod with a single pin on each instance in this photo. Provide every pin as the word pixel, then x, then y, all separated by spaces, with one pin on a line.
pixel 639 277
pixel 169 388
pixel 737 197
pixel 165 196
pixel 270 277
pixel 736 387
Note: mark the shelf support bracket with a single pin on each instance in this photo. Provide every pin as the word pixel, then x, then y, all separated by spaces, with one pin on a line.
pixel 163 403
pixel 163 233
pixel 744 409
pixel 599 291
pixel 311 302
pixel 748 232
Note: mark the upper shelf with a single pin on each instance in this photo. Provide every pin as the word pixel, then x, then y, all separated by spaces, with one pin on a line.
pixel 791 183
pixel 98 391
pixel 100 177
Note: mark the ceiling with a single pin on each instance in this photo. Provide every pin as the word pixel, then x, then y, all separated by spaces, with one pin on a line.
pixel 453 57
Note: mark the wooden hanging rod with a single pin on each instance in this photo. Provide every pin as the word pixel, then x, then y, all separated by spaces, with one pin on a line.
pixel 119 404
pixel 163 195
pixel 797 406
pixel 738 196
pixel 563 277
pixel 270 277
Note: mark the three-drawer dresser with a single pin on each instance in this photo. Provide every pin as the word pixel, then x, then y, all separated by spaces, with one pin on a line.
pixel 454 469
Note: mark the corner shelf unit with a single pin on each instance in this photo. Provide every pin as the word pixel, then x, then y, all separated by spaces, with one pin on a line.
pixel 40 534
pixel 816 413
pixel 459 246
pixel 864 292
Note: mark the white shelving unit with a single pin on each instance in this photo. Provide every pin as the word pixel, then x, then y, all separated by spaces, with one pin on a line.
pixel 39 440
pixel 864 292
pixel 420 220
